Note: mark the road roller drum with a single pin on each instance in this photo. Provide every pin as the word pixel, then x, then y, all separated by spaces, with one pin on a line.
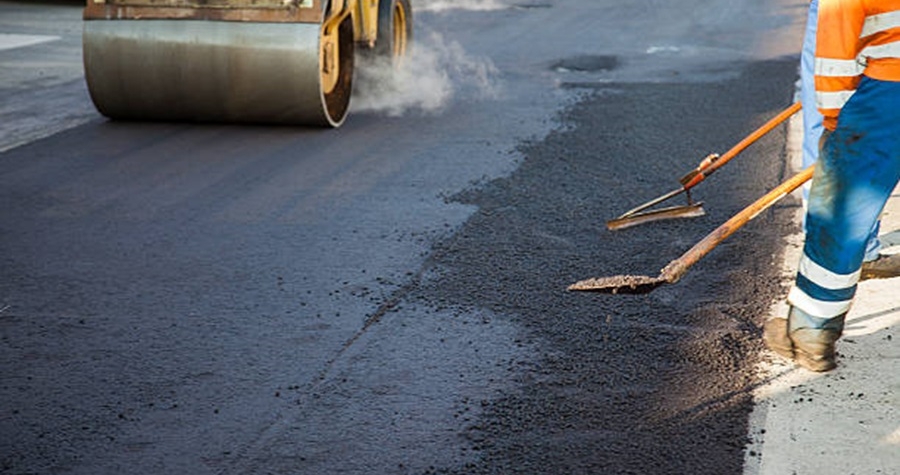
pixel 258 61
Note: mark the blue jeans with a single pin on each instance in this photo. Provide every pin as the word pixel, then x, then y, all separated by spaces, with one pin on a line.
pixel 858 168
pixel 812 119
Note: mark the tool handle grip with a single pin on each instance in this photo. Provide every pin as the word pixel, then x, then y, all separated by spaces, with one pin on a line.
pixel 673 272
pixel 695 176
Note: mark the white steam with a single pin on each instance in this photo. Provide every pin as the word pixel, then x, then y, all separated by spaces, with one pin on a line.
pixel 432 73
pixel 442 5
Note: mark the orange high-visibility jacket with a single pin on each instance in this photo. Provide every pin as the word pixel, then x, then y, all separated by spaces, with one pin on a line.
pixel 854 38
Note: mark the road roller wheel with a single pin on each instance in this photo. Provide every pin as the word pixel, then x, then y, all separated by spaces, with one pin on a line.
pixel 394 28
pixel 220 71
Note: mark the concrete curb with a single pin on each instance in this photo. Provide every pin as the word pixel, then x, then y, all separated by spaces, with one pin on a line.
pixel 846 421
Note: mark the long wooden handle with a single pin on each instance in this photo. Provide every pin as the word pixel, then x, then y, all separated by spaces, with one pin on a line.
pixel 672 272
pixel 713 162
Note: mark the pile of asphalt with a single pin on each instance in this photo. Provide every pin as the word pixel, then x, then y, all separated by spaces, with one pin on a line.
pixel 656 383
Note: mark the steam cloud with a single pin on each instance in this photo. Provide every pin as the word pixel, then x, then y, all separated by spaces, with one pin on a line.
pixel 432 73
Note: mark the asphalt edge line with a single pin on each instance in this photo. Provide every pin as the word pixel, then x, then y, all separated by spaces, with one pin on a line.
pixel 772 369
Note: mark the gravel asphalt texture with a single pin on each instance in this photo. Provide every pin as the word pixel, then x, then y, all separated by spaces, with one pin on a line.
pixel 659 383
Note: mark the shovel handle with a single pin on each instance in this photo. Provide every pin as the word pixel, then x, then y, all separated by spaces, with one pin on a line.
pixel 713 162
pixel 672 272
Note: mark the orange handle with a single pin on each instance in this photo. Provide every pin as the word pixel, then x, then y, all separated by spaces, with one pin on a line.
pixel 713 162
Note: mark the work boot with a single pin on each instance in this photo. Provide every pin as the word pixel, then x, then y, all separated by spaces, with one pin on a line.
pixel 811 348
pixel 814 348
pixel 885 267
pixel 775 335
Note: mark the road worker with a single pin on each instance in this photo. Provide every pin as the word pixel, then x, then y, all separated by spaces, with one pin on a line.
pixel 857 84
pixel 874 263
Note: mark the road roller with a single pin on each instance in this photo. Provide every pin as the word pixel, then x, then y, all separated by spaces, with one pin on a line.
pixel 256 61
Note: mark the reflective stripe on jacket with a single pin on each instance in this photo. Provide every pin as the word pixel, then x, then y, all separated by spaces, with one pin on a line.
pixel 855 37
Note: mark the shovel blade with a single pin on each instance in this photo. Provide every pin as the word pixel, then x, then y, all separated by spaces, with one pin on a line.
pixel 619 284
pixel 674 212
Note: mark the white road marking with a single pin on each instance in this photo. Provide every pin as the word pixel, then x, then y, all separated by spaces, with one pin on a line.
pixel 11 40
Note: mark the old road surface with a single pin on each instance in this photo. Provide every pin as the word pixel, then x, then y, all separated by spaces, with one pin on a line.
pixel 389 297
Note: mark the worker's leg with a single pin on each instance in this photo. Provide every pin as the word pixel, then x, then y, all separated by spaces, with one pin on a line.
pixel 857 170
pixel 812 119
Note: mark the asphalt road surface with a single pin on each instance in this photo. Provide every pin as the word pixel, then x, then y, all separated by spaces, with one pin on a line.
pixel 389 297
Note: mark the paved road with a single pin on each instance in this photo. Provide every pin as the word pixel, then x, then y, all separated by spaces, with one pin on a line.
pixel 388 297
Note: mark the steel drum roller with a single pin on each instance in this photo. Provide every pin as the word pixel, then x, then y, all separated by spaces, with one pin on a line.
pixel 216 71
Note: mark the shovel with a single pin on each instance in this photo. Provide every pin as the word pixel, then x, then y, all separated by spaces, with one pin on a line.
pixel 640 284
pixel 707 166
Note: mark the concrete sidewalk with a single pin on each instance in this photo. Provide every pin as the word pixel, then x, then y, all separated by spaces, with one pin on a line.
pixel 846 421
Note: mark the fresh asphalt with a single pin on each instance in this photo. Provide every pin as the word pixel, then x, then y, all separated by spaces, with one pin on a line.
pixel 389 297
